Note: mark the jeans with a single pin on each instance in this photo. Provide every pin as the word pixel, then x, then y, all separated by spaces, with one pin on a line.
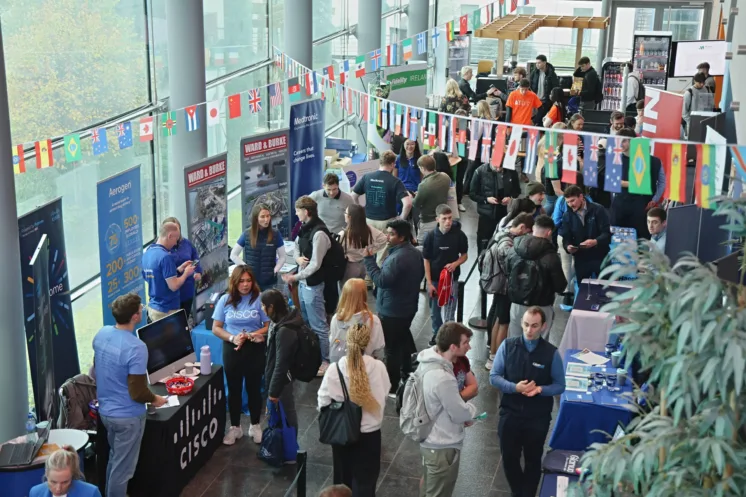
pixel 446 313
pixel 568 266
pixel 314 313
pixel 520 435
pixel 549 202
pixel 124 436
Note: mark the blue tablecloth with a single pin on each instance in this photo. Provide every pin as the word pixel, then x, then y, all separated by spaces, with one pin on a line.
pixel 549 484
pixel 201 336
pixel 577 420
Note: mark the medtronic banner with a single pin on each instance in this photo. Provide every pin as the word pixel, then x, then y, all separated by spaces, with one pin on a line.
pixel 306 149
pixel 120 238
pixel 47 220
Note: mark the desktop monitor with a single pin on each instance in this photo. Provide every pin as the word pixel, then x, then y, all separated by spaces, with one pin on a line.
pixel 484 84
pixel 169 346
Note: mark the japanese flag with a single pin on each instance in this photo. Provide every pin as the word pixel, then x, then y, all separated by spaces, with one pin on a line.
pixel 213 113
pixel 513 145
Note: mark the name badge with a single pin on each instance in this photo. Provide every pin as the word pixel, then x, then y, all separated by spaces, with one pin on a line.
pixel 537 365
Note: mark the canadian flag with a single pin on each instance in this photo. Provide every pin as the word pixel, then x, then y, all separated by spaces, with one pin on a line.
pixel 146 129
pixel 213 113
pixel 513 143
pixel 570 159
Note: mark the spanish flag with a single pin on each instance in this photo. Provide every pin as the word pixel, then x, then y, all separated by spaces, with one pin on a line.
pixel 704 188
pixel 44 157
pixel 676 184
pixel 19 162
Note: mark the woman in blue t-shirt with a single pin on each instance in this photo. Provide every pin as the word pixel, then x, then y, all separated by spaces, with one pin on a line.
pixel 242 325
pixel 406 165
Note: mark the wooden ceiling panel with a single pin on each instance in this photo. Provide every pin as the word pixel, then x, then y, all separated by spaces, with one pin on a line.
pixel 520 27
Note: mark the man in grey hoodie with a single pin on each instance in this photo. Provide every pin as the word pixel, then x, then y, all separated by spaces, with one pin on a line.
pixel 441 450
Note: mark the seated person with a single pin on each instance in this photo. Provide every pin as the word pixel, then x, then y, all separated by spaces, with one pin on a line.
pixel 63 477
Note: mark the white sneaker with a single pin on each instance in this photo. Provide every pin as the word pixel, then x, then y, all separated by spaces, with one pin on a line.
pixel 323 368
pixel 234 433
pixel 255 432
pixel 490 361
pixel 461 208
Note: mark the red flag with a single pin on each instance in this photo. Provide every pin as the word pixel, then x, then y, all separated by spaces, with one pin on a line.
pixel 513 5
pixel 234 106
pixel 498 150
pixel 463 25
pixel 570 159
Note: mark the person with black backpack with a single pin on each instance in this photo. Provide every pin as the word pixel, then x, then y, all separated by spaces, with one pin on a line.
pixel 591 93
pixel 535 274
pixel 635 89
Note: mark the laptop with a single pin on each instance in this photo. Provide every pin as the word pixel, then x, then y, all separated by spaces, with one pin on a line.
pixel 22 454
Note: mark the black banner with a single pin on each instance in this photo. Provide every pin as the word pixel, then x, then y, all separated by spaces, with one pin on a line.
pixel 45 391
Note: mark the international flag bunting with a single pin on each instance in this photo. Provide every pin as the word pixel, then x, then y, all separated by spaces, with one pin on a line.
pixel 234 106
pixel 168 124
pixel 44 157
pixel 407 48
pixel 255 101
pixel 329 73
pixel 312 86
pixel 513 145
pixel 453 128
pixel 513 5
pixel 432 131
pixel 502 9
pixel 360 66
pixel 490 13
pixel 397 124
pixel 676 174
pixel 463 25
pixel 375 59
pixel 550 160
pixel 532 141
pixel 124 135
pixel 443 125
pixel 570 159
pixel 486 142
pixel 424 130
pixel 476 136
pixel 498 149
pixel 613 176
pixel 422 43
pixel 384 114
pixel 435 38
pixel 72 148
pixel 275 95
pixel 462 129
pixel 373 112
pixel 191 118
pixel 476 19
pixel 590 161
pixel 414 116
pixel 349 101
pixel 99 141
pixel 344 68
pixel 365 107
pixel 739 161
pixel 146 129
pixel 392 119
pixel 294 90
pixel 449 31
pixel 704 189
pixel 391 55
pixel 19 161
pixel 639 166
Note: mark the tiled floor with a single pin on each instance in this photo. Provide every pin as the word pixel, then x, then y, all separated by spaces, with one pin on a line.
pixel 236 471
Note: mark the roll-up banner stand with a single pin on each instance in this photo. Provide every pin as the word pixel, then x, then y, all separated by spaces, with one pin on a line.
pixel 120 238
pixel 306 150
pixel 264 178
pixel 47 220
pixel 46 392
pixel 207 225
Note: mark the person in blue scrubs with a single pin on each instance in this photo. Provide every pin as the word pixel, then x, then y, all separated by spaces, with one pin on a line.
pixel 63 477
pixel 184 252
pixel 163 276
pixel 238 320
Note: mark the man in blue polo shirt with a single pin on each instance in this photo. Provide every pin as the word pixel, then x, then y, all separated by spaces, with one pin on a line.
pixel 164 279
pixel 121 360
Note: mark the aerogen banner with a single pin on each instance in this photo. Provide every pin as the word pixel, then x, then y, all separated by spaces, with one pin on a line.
pixel 264 178
pixel 207 225
pixel 47 220
pixel 306 149
pixel 120 238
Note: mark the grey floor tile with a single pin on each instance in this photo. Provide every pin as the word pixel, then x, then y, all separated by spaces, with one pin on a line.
pixel 398 486
pixel 318 476
pixel 471 485
pixel 408 461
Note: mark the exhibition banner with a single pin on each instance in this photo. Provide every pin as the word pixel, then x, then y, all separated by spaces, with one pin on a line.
pixel 47 220
pixel 207 225
pixel 120 238
pixel 662 119
pixel 46 392
pixel 264 178
pixel 306 149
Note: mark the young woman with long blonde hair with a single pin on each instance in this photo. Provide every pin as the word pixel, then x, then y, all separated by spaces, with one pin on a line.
pixel 367 382
pixel 352 310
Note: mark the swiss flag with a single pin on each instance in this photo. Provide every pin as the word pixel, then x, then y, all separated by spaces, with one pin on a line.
pixel 146 129
pixel 213 113
pixel 498 150
pixel 512 153
pixel 234 106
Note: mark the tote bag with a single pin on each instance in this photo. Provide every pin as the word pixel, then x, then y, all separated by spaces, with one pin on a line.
pixel 339 422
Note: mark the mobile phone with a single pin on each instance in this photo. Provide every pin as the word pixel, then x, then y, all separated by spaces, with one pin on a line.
pixel 195 262
pixel 480 417
pixel 595 307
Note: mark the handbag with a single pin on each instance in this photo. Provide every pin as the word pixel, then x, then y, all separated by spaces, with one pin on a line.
pixel 289 437
pixel 279 440
pixel 339 422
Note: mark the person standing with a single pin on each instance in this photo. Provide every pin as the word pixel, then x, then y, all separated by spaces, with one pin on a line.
pixel 522 104
pixel 467 73
pixel 441 450
pixel 657 227
pixel 635 89
pixel 398 287
pixel 184 252
pixel 163 277
pixel 585 233
pixel 353 310
pixel 454 99
pixel 528 371
pixel 406 166
pixel 332 203
pixel 358 465
pixel 121 360
pixel 446 247
pixel 698 97
pixel 484 113
pixel 543 80
pixel 262 247
pixel 242 326
pixel 558 110
pixel 312 244
pixel 704 69
pixel 433 192
pixel 591 92
pixel 355 238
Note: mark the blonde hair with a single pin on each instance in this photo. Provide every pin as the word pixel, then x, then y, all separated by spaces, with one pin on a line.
pixel 354 299
pixel 466 70
pixel 358 338
pixel 65 458
pixel 452 89
pixel 543 142
pixel 483 110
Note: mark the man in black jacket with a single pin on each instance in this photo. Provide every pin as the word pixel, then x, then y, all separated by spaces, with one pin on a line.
pixel 591 92
pixel 585 233
pixel 534 274
pixel 466 74
pixel 491 189
pixel 543 80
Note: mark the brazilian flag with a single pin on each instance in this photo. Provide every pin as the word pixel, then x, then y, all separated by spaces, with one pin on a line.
pixel 72 148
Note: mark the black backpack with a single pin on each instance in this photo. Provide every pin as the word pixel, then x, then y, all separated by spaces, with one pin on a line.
pixel 525 282
pixel 335 262
pixel 307 359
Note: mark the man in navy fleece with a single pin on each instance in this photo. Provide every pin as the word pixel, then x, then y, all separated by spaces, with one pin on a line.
pixel 528 371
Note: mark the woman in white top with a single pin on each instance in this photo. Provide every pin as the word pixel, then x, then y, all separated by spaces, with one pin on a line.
pixel 355 238
pixel 358 465
pixel 351 310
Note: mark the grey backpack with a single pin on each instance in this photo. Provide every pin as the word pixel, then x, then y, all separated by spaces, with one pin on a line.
pixel 414 420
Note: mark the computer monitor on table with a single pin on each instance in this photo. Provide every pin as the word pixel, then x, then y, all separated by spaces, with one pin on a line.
pixel 169 344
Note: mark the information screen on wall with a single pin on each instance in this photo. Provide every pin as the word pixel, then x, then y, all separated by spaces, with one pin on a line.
pixel 264 178
pixel 207 225
pixel 120 238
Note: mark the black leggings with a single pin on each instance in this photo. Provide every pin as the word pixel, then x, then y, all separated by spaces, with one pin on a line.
pixel 244 365
pixel 187 306
pixel 358 465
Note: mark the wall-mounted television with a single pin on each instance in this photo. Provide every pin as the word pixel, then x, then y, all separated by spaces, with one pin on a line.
pixel 687 55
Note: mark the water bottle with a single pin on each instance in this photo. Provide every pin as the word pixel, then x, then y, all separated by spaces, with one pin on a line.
pixel 205 360
pixel 31 434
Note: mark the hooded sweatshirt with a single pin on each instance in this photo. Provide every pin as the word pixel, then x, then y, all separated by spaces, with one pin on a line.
pixel 443 402
pixel 338 336
pixel 281 347
pixel 530 247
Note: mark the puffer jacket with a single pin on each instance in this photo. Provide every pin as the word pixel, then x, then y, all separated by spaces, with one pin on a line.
pixel 397 281
pixel 485 184
pixel 530 247
pixel 281 348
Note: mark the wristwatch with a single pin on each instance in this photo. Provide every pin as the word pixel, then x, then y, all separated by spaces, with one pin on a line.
pixel 231 338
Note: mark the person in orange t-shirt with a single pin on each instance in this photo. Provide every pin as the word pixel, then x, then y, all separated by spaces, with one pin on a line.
pixel 521 104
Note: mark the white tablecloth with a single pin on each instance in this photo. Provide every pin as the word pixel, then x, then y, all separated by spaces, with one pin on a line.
pixel 586 330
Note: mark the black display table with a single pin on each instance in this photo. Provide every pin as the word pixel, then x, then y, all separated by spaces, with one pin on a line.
pixel 177 442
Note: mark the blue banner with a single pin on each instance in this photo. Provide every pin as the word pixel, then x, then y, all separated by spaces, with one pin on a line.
pixel 47 220
pixel 120 238
pixel 306 149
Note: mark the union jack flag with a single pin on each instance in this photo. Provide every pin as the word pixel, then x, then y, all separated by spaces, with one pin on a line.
pixel 255 101
pixel 275 95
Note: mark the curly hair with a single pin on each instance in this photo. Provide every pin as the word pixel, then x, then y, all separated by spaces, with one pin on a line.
pixel 358 338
